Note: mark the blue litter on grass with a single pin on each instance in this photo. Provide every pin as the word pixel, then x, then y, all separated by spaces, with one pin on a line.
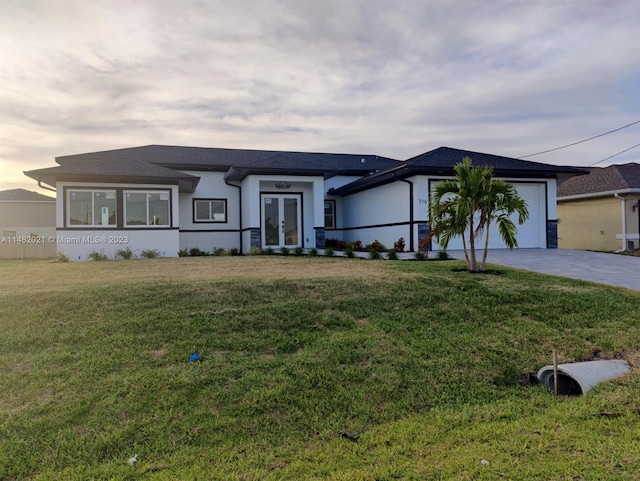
pixel 194 357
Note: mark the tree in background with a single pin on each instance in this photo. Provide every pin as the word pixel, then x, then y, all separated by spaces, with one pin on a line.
pixel 467 205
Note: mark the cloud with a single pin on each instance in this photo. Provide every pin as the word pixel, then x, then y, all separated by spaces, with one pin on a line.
pixel 376 76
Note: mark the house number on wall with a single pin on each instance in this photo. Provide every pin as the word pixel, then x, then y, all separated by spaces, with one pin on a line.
pixel 283 185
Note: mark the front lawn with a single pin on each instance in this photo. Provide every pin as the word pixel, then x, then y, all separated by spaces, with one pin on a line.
pixel 310 368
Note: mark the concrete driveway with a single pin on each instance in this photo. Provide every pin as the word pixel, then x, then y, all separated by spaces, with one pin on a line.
pixel 612 269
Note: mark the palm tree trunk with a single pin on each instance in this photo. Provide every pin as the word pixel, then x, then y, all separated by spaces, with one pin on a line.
pixel 473 265
pixel 464 246
pixel 486 248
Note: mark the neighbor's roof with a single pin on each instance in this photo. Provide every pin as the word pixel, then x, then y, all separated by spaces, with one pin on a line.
pixel 442 161
pixel 23 195
pixel 618 177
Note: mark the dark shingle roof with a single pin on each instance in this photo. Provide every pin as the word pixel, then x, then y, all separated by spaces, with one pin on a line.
pixel 200 158
pixel 114 170
pixel 23 195
pixel 442 160
pixel 447 157
pixel 603 179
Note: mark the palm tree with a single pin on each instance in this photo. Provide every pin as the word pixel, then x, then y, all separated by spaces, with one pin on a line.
pixel 466 206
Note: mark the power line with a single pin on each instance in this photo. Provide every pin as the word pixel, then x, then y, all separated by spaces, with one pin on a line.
pixel 612 156
pixel 581 141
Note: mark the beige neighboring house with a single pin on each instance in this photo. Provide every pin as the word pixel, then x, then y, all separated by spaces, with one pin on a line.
pixel 27 224
pixel 600 211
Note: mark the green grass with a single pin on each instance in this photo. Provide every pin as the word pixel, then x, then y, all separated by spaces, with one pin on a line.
pixel 425 360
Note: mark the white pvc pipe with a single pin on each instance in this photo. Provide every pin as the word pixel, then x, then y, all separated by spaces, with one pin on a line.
pixel 579 377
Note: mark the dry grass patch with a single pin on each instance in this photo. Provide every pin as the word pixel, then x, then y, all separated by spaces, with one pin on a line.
pixel 50 275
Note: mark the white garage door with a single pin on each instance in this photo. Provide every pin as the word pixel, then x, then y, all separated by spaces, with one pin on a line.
pixel 530 234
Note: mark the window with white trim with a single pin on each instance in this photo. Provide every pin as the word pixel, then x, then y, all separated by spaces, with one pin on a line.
pixel 146 208
pixel 91 208
pixel 210 210
pixel 329 214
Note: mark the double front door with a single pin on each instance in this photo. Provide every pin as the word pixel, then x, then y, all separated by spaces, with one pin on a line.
pixel 281 220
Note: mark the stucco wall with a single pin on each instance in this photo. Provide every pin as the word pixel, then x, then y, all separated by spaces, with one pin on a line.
pixel 380 213
pixel 593 224
pixel 28 217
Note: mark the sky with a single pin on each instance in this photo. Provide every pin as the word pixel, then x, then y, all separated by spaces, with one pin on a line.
pixel 392 78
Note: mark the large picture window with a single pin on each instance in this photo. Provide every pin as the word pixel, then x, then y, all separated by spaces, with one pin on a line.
pixel 210 210
pixel 142 208
pixel 329 214
pixel 92 207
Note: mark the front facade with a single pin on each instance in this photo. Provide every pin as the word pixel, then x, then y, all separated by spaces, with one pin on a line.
pixel 178 198
pixel 600 211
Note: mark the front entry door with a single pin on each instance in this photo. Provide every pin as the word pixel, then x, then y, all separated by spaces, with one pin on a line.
pixel 281 220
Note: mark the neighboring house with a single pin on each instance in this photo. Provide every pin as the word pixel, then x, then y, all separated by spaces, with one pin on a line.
pixel 175 198
pixel 27 224
pixel 600 211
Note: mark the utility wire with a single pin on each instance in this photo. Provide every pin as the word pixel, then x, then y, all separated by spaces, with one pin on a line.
pixel 612 156
pixel 581 141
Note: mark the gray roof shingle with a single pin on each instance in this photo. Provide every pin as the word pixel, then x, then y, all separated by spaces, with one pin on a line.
pixel 196 158
pixel 115 170
pixel 442 161
pixel 448 157
pixel 603 179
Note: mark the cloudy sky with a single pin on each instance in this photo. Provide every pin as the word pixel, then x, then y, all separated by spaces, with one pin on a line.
pixel 393 78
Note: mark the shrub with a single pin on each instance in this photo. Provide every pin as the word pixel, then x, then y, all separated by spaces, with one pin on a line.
pixel 218 251
pixel 356 245
pixel 374 254
pixel 420 256
pixel 399 245
pixel 298 251
pixel 183 253
pixel 329 252
pixel 335 244
pixel 150 253
pixel 126 253
pixel 62 257
pixel 269 251
pixel 195 251
pixel 255 251
pixel 313 252
pixel 284 251
pixel 349 253
pixel 376 245
pixel 392 255
pixel 98 256
pixel 442 255
pixel 234 251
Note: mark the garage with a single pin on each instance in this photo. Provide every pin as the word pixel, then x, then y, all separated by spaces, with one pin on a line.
pixel 531 234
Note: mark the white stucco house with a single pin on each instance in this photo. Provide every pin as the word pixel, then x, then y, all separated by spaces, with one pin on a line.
pixel 175 198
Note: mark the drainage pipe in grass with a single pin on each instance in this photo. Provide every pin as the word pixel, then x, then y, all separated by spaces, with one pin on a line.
pixel 579 377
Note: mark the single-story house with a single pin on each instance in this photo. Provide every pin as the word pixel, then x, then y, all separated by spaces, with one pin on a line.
pixel 175 198
pixel 27 224
pixel 600 211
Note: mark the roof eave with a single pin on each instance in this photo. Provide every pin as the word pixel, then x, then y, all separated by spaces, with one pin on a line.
pixel 592 195
pixel 185 184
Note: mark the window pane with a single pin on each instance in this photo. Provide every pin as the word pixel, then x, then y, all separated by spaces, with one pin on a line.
pixel 159 209
pixel 80 208
pixel 217 207
pixel 104 208
pixel 202 210
pixel 217 210
pixel 329 215
pixel 136 208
